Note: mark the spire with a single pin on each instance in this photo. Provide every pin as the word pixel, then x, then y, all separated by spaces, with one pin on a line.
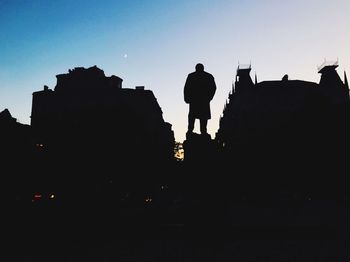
pixel 256 79
pixel 346 81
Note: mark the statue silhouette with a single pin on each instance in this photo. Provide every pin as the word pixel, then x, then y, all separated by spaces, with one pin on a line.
pixel 199 90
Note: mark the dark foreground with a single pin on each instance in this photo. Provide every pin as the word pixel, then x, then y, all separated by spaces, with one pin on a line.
pixel 184 229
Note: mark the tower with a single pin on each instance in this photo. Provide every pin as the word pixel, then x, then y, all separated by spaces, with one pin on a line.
pixel 331 86
pixel 329 75
pixel 243 80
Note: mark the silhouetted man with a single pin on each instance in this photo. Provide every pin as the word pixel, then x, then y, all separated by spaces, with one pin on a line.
pixel 198 92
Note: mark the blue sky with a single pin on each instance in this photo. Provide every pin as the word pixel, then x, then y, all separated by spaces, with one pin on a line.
pixel 157 43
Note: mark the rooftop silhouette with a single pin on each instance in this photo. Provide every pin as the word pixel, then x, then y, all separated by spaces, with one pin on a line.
pixel 88 109
pixel 290 129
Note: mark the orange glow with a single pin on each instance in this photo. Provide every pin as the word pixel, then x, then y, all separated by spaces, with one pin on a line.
pixel 37 196
pixel 148 200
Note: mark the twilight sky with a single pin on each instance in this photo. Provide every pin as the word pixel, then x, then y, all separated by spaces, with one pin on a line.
pixel 157 43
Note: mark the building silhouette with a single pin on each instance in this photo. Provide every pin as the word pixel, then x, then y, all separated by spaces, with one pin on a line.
pixel 94 130
pixel 286 131
pixel 16 157
pixel 14 135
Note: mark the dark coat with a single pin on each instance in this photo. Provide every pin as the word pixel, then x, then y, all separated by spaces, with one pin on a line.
pixel 198 92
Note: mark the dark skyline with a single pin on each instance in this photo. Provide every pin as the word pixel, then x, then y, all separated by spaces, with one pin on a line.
pixel 97 167
pixel 156 44
pixel 88 171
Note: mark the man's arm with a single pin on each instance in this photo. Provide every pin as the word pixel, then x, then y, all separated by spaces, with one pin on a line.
pixel 213 88
pixel 187 91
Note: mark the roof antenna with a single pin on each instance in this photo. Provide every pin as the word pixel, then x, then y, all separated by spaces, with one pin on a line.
pixel 256 79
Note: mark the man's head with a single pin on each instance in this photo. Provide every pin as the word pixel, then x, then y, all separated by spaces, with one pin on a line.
pixel 199 67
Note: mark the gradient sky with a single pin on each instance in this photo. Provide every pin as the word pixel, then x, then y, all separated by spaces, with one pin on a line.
pixel 157 43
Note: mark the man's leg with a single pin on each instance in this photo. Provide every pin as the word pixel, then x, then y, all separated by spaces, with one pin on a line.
pixel 190 124
pixel 203 126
